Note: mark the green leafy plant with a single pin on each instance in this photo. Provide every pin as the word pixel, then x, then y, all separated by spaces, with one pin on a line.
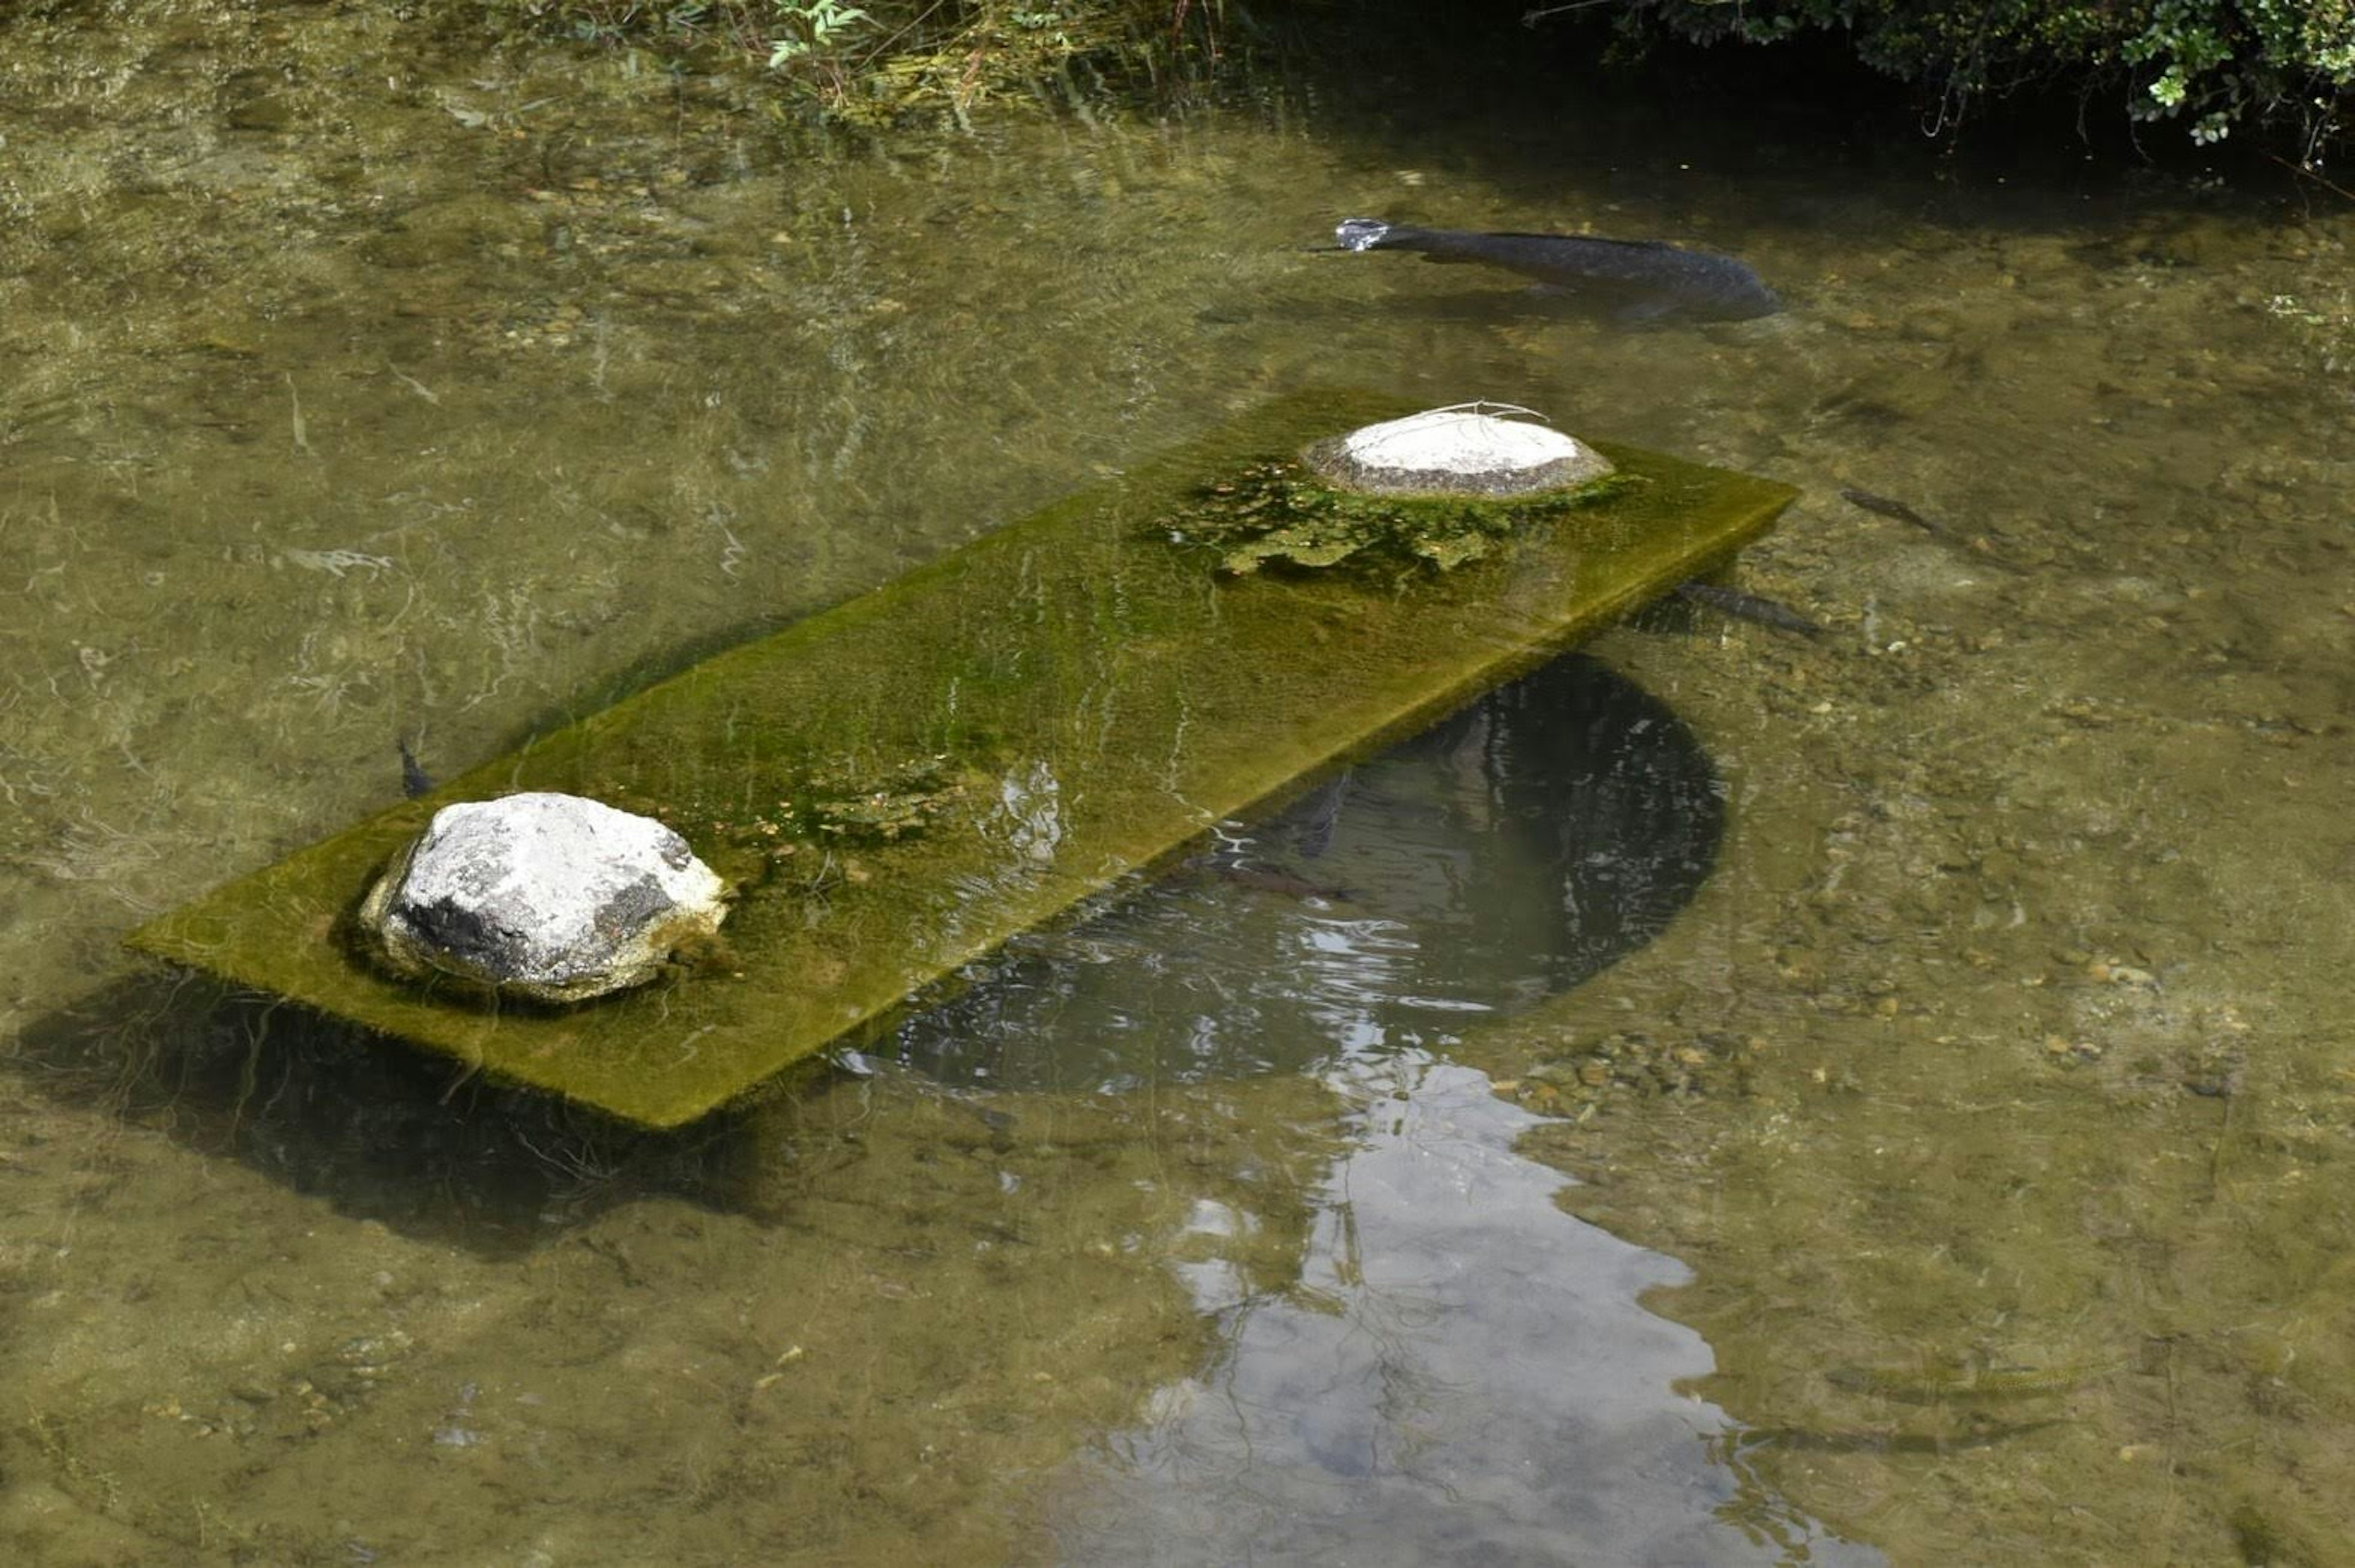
pixel 884 62
pixel 814 26
pixel 2212 64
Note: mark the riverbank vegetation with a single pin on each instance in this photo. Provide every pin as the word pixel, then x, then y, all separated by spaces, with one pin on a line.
pixel 884 60
pixel 2209 65
pixel 2203 70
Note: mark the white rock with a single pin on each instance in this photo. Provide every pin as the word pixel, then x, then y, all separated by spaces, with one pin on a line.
pixel 1457 441
pixel 1460 450
pixel 552 897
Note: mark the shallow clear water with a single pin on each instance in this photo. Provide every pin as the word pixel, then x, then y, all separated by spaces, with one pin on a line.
pixel 360 385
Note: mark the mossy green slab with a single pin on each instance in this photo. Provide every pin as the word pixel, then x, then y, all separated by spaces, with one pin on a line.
pixel 1081 695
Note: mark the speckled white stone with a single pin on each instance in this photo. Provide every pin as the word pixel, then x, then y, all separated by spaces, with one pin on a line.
pixel 1457 441
pixel 1463 450
pixel 552 896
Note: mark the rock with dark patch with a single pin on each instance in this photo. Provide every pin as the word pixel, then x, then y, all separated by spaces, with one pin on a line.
pixel 549 896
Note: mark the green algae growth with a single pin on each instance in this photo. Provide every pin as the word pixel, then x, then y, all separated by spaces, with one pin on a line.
pixel 1281 513
pixel 902 783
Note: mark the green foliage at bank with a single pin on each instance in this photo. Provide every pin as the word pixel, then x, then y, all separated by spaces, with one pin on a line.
pixel 880 61
pixel 2207 64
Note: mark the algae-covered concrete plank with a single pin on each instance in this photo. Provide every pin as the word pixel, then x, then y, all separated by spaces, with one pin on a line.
pixel 906 781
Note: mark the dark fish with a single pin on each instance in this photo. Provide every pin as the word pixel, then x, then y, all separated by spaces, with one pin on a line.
pixel 1868 1440
pixel 1884 507
pixel 1324 814
pixel 1281 883
pixel 1645 279
pixel 414 781
pixel 1225 865
pixel 1748 607
pixel 874 1069
pixel 1955 1384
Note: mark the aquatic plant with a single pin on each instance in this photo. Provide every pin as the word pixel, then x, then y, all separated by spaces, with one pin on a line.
pixel 834 802
pixel 844 803
pixel 2322 319
pixel 1281 513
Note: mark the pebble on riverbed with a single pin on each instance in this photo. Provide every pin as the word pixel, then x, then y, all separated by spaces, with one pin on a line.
pixel 1631 1063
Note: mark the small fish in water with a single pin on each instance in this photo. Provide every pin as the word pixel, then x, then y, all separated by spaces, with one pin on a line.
pixel 1885 507
pixel 880 1070
pixel 1285 883
pixel 414 780
pixel 1262 879
pixel 1646 280
pixel 1748 607
pixel 1959 1381
pixel 1888 506
pixel 1880 1440
pixel 1324 814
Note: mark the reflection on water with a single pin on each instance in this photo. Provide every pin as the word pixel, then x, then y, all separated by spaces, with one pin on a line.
pixel 1506 854
pixel 1453 1367
pixel 1461 1373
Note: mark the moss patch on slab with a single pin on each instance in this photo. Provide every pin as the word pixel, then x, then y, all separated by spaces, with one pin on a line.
pixel 1281 513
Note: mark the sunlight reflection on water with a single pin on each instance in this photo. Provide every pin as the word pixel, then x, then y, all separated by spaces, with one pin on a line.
pixel 1462 1374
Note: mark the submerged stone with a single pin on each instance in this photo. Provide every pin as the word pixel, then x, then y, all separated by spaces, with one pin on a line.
pixel 1460 450
pixel 546 896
